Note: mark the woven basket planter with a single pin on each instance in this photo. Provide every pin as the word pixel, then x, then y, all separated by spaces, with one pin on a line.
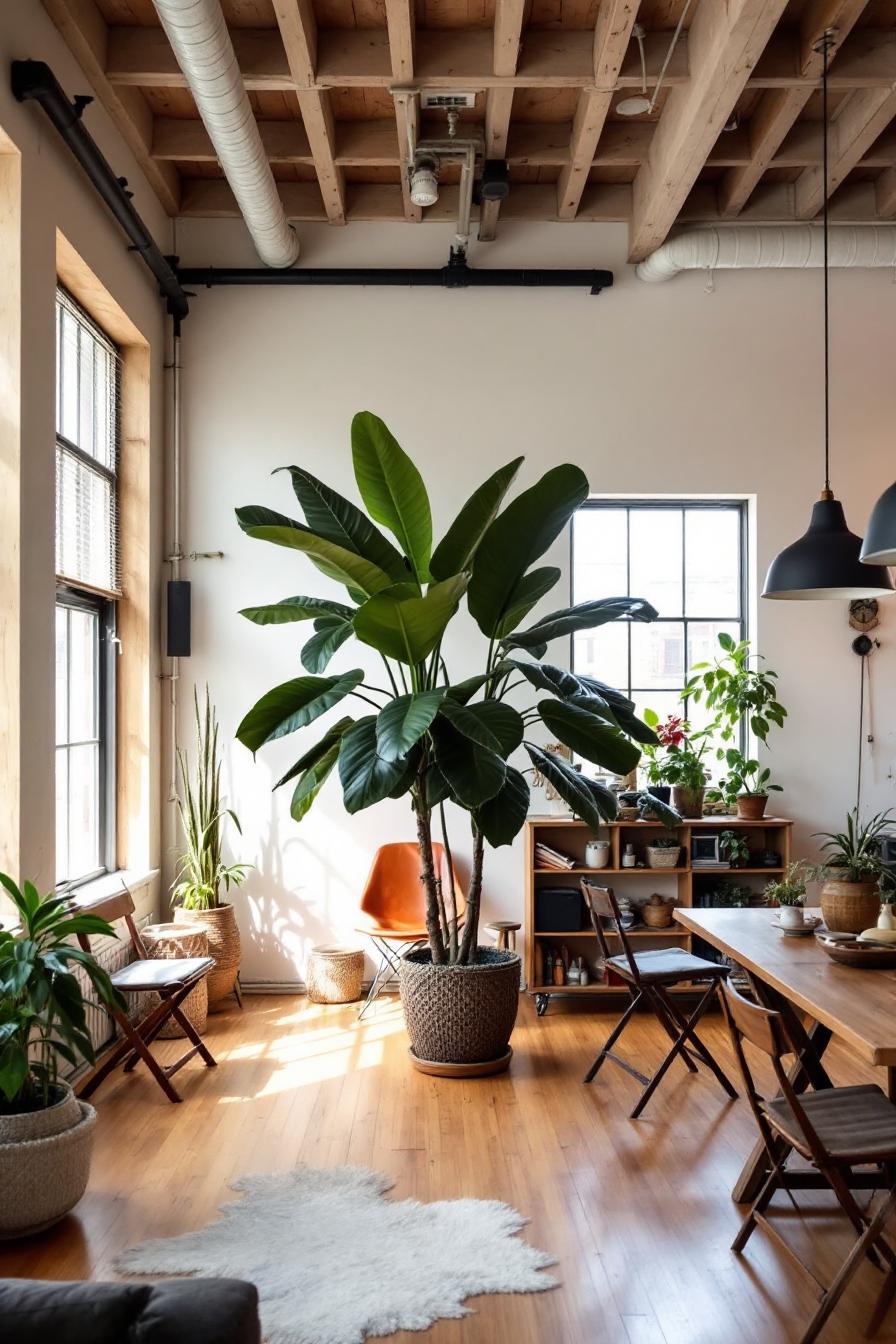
pixel 44 1163
pixel 223 944
pixel 659 857
pixel 459 1018
pixel 751 806
pixel 169 942
pixel 850 907
pixel 334 974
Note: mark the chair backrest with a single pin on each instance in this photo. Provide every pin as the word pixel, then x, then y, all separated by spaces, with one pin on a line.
pixel 112 907
pixel 394 894
pixel 602 904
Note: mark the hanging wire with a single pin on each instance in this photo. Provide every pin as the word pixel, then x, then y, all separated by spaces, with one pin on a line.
pixel 672 45
pixel 826 43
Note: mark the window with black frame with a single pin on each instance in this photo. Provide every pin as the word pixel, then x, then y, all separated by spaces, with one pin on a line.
pixel 688 558
pixel 87 587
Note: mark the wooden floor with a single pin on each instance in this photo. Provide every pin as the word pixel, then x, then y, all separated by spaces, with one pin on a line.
pixel 638 1213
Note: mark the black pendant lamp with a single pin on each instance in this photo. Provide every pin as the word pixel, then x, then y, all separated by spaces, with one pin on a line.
pixel 825 562
pixel 880 539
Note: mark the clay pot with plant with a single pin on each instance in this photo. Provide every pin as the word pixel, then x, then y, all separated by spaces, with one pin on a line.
pixel 678 760
pixel 852 873
pixel 46 1133
pixel 424 736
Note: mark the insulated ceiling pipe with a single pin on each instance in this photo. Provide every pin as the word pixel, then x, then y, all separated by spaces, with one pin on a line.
pixel 763 246
pixel 198 34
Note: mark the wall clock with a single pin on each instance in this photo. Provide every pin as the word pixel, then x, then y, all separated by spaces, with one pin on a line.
pixel 863 613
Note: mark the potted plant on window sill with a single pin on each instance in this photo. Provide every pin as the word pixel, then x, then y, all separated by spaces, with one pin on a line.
pixel 852 874
pixel 679 763
pixel 203 877
pixel 46 1133
pixel 426 737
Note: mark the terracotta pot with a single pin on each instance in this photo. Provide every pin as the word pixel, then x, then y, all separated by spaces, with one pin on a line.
pixel 850 907
pixel 44 1163
pixel 751 806
pixel 687 802
pixel 459 1018
pixel 223 945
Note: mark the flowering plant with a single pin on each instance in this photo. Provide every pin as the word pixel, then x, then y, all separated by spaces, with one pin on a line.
pixel 678 756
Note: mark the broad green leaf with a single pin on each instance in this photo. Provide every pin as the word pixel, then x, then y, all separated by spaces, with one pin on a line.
pixel 473 773
pixel 296 609
pixel 334 561
pixel 406 626
pixel 330 738
pixel 404 721
pixel 589 736
pixel 466 720
pixel 531 588
pixel 517 537
pixel 292 705
pixel 662 811
pixel 490 723
pixel 502 818
pixel 577 792
pixel 547 677
pixel 330 633
pixel 337 519
pixel 463 691
pixel 393 489
pixel 585 616
pixel 457 548
pixel 366 777
pixel 312 781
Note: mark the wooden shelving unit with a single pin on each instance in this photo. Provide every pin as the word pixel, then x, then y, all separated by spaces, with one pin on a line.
pixel 686 885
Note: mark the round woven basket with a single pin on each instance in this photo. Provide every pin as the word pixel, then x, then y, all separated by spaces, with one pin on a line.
pixel 658 857
pixel 334 974
pixel 657 912
pixel 460 1014
pixel 850 907
pixel 223 944
pixel 168 942
pixel 44 1163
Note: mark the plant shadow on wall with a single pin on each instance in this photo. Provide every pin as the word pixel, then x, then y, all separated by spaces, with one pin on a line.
pixel 425 737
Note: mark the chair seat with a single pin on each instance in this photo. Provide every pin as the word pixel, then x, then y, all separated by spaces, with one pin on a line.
pixel 401 935
pixel 668 964
pixel 857 1124
pixel 140 976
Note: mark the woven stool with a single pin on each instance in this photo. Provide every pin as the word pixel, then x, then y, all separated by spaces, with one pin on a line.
pixel 335 974
pixel 505 931
pixel 168 942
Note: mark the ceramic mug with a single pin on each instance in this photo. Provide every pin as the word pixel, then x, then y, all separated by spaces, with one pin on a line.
pixel 791 916
pixel 597 853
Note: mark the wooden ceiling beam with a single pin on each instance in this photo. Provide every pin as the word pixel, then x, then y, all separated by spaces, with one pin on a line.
pixel 298 32
pixel 506 42
pixel 401 33
pixel 859 121
pixel 885 193
pixel 726 40
pixel 84 29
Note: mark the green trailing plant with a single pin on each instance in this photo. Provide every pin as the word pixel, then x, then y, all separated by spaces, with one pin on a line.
pixel 735 848
pixel 42 1009
pixel 853 855
pixel 202 872
pixel 424 736
pixel 791 888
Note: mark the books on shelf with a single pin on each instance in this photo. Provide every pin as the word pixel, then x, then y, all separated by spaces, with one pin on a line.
pixel 546 857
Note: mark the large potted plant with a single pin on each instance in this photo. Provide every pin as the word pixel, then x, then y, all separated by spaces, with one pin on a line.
pixel 852 873
pixel 746 786
pixel 46 1133
pixel 424 736
pixel 678 759
pixel 203 878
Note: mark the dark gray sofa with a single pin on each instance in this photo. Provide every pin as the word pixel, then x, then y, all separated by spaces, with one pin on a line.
pixel 178 1311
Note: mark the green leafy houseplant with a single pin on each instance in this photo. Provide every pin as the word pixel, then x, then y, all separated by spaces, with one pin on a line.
pixel 678 756
pixel 745 776
pixel 202 872
pixel 42 1011
pixel 730 895
pixel 735 848
pixel 789 889
pixel 852 873
pixel 425 736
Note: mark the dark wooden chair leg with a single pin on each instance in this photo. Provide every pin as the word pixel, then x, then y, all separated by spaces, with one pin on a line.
pixel 848 1269
pixel 676 1050
pixel 190 1031
pixel 138 1044
pixel 661 1006
pixel 701 1050
pixel 613 1037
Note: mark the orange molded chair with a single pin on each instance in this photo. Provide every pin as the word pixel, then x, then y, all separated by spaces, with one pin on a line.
pixel 393 906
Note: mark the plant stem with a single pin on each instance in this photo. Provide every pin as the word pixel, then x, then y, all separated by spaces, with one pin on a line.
pixel 428 877
pixel 467 954
pixel 392 680
pixel 451 907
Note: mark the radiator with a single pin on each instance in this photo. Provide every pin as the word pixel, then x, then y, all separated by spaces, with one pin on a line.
pixel 111 956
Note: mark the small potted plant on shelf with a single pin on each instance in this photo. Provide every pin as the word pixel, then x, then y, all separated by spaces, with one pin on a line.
pixel 663 853
pixel 203 878
pixel 730 895
pixel 789 893
pixel 735 848
pixel 852 873
pixel 745 788
pixel 46 1133
pixel 681 762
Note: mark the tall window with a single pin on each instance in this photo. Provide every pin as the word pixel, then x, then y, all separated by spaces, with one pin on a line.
pixel 87 572
pixel 686 557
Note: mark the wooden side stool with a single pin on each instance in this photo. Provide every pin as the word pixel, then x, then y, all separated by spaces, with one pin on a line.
pixel 505 930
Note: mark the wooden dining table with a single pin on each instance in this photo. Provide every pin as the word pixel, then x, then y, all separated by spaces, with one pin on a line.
pixel 819 999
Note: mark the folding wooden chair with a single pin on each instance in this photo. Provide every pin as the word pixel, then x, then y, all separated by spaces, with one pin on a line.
pixel 172 980
pixel 834 1128
pixel 648 977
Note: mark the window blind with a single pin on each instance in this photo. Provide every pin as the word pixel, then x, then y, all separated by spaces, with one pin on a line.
pixel 88 372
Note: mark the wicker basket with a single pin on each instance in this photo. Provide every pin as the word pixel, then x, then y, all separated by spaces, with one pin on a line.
pixel 460 1014
pixel 334 974
pixel 223 944
pixel 44 1163
pixel 662 856
pixel 850 907
pixel 167 942
pixel 657 912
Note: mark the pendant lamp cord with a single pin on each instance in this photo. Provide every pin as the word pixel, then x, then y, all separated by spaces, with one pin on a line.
pixel 862 665
pixel 826 43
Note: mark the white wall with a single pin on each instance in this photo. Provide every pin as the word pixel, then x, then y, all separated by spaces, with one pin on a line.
pixel 666 388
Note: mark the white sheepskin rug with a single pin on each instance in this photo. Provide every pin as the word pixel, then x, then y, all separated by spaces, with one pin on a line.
pixel 334 1261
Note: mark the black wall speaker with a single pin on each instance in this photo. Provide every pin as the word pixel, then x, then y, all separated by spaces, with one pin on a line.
pixel 178 618
pixel 559 910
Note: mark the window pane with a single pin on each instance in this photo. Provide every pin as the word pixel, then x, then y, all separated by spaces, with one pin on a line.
pixel 599 544
pixel 61 814
pixel 84 849
pixel 662 703
pixel 83 697
pixel 712 556
pixel 87 407
pixel 61 675
pixel 655 541
pixel 658 655
pixel 67 410
pixel 85 524
pixel 603 653
pixel 703 639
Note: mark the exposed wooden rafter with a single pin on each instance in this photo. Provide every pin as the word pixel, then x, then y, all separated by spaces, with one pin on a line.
pixel 401 30
pixel 298 31
pixel 856 126
pixel 509 16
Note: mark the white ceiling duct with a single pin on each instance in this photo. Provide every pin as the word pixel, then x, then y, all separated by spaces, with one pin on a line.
pixel 763 246
pixel 198 34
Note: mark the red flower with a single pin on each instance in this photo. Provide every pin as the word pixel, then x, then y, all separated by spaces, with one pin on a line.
pixel 671 733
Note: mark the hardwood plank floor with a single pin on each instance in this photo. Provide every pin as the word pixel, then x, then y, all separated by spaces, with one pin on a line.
pixel 638 1213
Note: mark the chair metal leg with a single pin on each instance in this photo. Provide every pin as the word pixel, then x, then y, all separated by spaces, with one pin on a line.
pixel 611 1041
pixel 375 986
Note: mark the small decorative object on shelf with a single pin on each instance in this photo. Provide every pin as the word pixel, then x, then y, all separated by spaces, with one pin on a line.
pixel 584 973
pixel 629 858
pixel 559 972
pixel 657 912
pixel 597 853
pixel 574 974
pixel 770 858
pixel 547 857
pixel 663 853
pixel 628 917
pixel 705 852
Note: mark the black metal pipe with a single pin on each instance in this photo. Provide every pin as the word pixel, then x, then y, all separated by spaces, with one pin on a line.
pixel 454 276
pixel 35 80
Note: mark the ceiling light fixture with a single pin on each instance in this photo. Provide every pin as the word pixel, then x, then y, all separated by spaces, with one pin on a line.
pixel 425 180
pixel 639 103
pixel 824 562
